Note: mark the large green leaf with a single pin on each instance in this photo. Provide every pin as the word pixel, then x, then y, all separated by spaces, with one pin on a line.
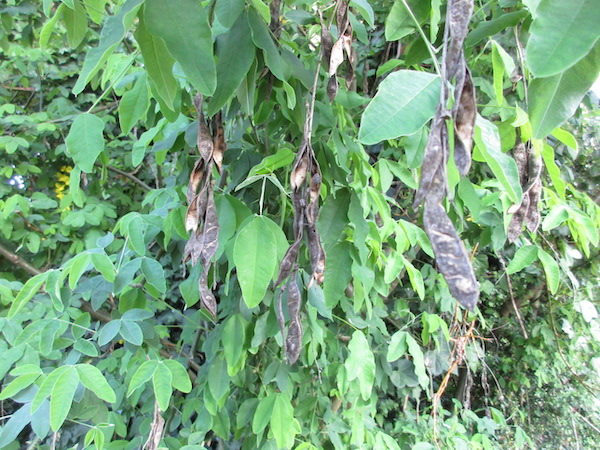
pixel 399 22
pixel 502 165
pixel 553 100
pixel 31 287
pixel 255 256
pixel 281 421
pixel 338 273
pixel 161 381
pixel 523 258
pixel 333 218
pixel 142 375
pixel 184 27
pixel 263 40
pixel 361 364
pixel 404 102
pixel 158 63
pixel 181 380
pixel 92 378
pixel 234 336
pixel 235 56
pixel 134 104
pixel 561 34
pixel 76 22
pixel 228 11
pixel 112 33
pixel 551 269
pixel 263 413
pixel 494 26
pixel 85 140
pixel 154 273
pixel 62 395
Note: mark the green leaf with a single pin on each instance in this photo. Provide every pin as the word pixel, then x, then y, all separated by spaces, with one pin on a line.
pixel 283 158
pixel 553 170
pixel 158 63
pixel 255 256
pixel 399 22
pixel 136 231
pixel 561 34
pixel 92 378
pixel 76 22
pixel 263 413
pixel 218 378
pixel 523 258
pixel 281 421
pixel 228 11
pixel 46 387
pixel 108 332
pixel 111 35
pixel 189 287
pixel 551 269
pixel 131 332
pixel 62 395
pixel 555 99
pixel 95 9
pixel 142 375
pixel 76 267
pixel 11 429
pixel 361 364
pixel 183 26
pixel 405 101
pixel 494 26
pixel 26 369
pixel 155 274
pixel 161 381
pixel 234 337
pixel 18 384
pixel 365 9
pixel 181 380
pixel 263 40
pixel 29 289
pixel 418 359
pixel 235 56
pixel 338 273
pixel 104 265
pixel 49 26
pixel 397 347
pixel 137 314
pixel 502 165
pixel 134 104
pixel 86 347
pixel 416 278
pixel 85 141
pixel 333 218
pixel 263 9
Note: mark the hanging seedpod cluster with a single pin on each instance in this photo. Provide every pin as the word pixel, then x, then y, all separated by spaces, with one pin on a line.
pixel 451 256
pixel 201 217
pixel 333 53
pixel 527 212
pixel 305 180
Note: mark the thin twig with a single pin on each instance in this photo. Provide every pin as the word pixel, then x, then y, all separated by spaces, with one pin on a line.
pixel 422 33
pixel 17 88
pixel 128 175
pixel 512 297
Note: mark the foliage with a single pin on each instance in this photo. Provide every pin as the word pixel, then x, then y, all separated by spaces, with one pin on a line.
pixel 105 340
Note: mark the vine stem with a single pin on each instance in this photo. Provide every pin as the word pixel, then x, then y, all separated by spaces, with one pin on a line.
pixel 430 47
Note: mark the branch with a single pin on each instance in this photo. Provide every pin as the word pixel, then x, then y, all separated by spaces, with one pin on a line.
pixel 19 261
pixel 128 175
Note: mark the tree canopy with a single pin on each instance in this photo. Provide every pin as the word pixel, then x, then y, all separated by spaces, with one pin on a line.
pixel 326 224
